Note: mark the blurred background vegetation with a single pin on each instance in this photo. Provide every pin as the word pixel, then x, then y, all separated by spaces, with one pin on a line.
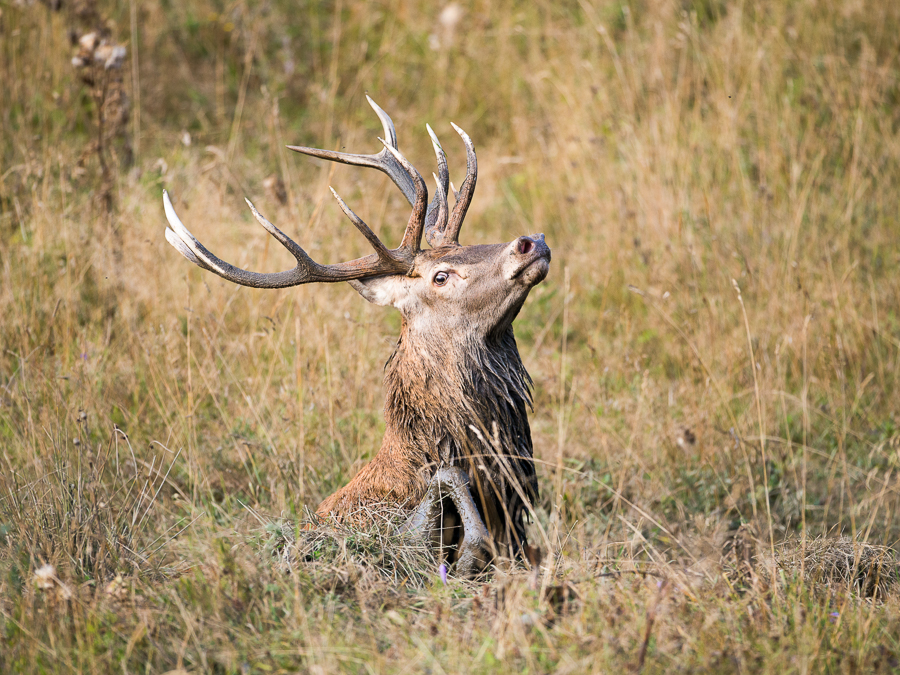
pixel 716 352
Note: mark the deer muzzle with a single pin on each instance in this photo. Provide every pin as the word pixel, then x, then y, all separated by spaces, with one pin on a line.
pixel 530 251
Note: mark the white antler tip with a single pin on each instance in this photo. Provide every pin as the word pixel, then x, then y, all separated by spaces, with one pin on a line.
pixel 375 106
pixel 252 208
pixel 462 133
pixel 434 138
pixel 341 203
pixel 262 220
pixel 179 245
pixel 177 234
pixel 174 221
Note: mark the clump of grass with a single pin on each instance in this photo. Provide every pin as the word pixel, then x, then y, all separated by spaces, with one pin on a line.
pixel 87 516
pixel 827 564
pixel 831 563
pixel 365 554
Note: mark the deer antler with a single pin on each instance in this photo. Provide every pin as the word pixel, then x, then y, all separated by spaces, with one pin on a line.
pixel 383 161
pixel 384 261
pixel 437 230
pixel 466 190
pixel 440 227
pixel 436 219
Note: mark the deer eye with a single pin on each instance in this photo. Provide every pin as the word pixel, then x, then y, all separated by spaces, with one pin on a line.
pixel 440 278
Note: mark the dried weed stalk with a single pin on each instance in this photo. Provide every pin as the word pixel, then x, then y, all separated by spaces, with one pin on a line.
pixel 98 61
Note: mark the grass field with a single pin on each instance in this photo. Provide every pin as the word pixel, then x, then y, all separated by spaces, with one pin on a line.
pixel 716 352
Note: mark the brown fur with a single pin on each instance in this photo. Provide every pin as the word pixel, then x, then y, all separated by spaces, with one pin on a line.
pixel 457 392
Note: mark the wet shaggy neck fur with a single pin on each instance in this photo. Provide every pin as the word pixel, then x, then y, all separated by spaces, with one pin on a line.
pixel 459 404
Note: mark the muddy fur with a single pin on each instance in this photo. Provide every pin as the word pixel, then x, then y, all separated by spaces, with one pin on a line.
pixel 454 404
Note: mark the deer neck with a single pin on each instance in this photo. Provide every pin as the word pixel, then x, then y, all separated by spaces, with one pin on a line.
pixel 447 400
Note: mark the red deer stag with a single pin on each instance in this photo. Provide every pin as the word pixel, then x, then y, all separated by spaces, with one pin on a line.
pixel 457 453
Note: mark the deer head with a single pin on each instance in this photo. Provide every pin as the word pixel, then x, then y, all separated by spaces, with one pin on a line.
pixel 445 289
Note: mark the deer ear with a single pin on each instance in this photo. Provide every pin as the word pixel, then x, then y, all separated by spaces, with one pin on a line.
pixel 387 291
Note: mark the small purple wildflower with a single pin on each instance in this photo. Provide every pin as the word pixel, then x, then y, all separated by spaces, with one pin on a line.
pixel 442 570
pixel 834 616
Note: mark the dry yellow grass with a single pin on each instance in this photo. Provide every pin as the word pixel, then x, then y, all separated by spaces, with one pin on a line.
pixel 716 351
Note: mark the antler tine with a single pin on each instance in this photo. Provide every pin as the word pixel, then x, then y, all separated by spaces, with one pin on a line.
pixel 383 160
pixel 436 228
pixel 466 190
pixel 436 218
pixel 307 269
pixel 376 243
pixel 412 237
pixel 282 238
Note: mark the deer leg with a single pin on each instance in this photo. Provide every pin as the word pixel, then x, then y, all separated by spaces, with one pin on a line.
pixel 428 520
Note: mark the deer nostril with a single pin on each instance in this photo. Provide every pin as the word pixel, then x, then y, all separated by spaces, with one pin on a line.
pixel 525 245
